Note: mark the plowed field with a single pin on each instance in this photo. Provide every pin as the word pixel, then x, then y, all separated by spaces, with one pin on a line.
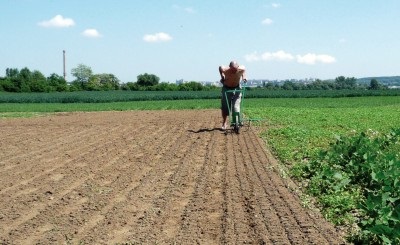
pixel 145 177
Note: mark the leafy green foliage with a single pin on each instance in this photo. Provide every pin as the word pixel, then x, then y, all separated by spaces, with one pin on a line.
pixel 162 91
pixel 361 174
pixel 82 74
pixel 300 132
pixel 105 96
pixel 342 82
pixel 375 85
pixel 26 81
pixel 188 86
pixel 339 83
pixel 147 80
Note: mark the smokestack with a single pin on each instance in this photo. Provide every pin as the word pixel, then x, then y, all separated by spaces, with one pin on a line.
pixel 65 74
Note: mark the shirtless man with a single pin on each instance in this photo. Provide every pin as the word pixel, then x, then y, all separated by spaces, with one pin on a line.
pixel 230 78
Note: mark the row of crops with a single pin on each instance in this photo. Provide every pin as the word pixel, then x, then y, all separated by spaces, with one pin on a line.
pixel 344 153
pixel 120 96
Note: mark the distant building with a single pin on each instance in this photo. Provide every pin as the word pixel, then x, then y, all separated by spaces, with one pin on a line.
pixel 180 81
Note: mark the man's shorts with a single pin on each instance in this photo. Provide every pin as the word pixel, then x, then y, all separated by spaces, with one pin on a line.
pixel 233 98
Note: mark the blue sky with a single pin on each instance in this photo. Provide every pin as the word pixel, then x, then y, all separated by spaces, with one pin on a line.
pixel 176 39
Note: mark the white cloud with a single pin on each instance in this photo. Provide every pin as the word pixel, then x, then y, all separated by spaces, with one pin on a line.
pixel 252 57
pixel 279 55
pixel 91 33
pixel 57 21
pixel 275 5
pixel 267 21
pixel 311 59
pixel 268 56
pixel 157 37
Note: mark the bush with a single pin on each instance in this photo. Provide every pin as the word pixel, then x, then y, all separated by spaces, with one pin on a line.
pixel 359 175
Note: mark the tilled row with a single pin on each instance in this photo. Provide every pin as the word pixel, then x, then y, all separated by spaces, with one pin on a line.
pixel 146 177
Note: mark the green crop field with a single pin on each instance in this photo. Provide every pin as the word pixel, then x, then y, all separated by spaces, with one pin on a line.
pixel 123 96
pixel 345 153
pixel 298 126
pixel 343 150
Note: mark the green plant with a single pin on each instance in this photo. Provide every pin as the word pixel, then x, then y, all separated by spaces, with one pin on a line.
pixel 359 174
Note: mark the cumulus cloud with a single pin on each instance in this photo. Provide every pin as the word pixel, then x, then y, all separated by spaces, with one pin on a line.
pixel 57 21
pixel 157 37
pixel 309 59
pixel 91 33
pixel 252 57
pixel 279 55
pixel 269 56
pixel 267 21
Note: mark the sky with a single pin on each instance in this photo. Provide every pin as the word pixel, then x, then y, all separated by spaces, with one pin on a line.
pixel 189 40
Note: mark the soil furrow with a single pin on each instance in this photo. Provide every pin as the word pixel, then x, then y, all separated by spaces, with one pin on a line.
pixel 299 217
pixel 202 216
pixel 177 180
pixel 81 177
pixel 39 162
pixel 158 177
pixel 152 181
pixel 102 188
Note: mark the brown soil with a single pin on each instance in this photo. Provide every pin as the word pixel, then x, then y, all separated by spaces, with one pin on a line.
pixel 158 177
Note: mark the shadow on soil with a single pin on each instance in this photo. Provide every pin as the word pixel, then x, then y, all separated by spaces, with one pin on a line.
pixel 204 130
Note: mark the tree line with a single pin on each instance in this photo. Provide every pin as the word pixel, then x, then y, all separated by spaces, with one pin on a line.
pixel 25 80
pixel 340 83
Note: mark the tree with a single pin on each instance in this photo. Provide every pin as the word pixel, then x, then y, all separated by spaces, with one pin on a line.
pixel 288 85
pixel 93 84
pixel 108 81
pixel 82 73
pixel 345 83
pixel 12 72
pixel 374 85
pixel 103 81
pixel 321 85
pixel 10 82
pixel 38 82
pixel 147 80
pixel 130 86
pixel 23 80
pixel 190 86
pixel 57 83
pixel 164 86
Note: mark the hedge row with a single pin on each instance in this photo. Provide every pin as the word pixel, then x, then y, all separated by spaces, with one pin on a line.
pixel 119 96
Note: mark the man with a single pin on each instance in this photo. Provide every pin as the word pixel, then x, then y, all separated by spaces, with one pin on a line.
pixel 230 78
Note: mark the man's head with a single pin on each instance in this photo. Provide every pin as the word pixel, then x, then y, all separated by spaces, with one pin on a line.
pixel 234 65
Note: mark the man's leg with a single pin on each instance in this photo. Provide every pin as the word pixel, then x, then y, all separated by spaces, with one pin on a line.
pixel 224 108
pixel 236 107
pixel 224 117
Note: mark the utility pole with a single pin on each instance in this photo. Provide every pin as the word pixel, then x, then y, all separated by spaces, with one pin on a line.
pixel 65 74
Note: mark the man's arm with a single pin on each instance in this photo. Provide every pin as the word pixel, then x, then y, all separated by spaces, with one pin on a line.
pixel 244 75
pixel 221 72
